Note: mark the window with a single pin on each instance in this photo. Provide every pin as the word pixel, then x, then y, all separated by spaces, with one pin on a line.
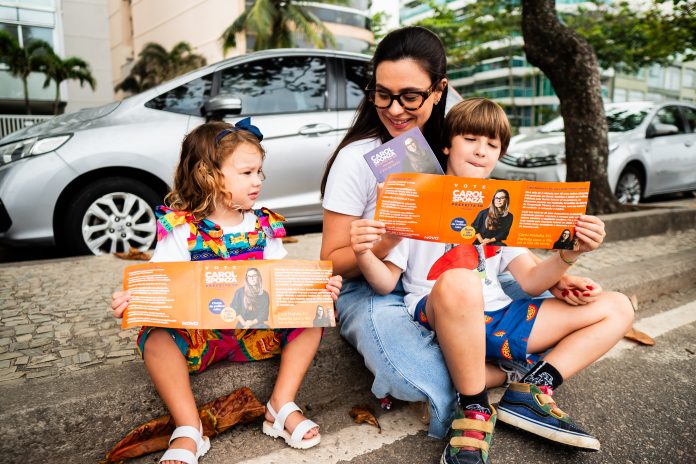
pixel 357 79
pixel 672 78
pixel 689 78
pixel 669 115
pixel 690 116
pixel 185 99
pixel 619 95
pixel 277 85
pixel 635 95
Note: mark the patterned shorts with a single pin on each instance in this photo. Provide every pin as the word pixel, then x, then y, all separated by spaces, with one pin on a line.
pixel 202 348
pixel 507 329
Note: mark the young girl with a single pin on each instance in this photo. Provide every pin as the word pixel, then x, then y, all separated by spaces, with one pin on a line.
pixel 475 320
pixel 216 183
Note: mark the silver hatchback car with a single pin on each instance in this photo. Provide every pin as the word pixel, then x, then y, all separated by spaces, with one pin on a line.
pixel 652 150
pixel 89 180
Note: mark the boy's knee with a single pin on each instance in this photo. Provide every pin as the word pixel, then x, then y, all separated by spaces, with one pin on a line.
pixel 461 286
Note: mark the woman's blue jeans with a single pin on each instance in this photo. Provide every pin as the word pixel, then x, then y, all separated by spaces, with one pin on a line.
pixel 404 357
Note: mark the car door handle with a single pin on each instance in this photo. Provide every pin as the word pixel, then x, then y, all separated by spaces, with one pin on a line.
pixel 314 129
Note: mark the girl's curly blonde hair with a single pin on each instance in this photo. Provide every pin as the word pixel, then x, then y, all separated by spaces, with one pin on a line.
pixel 198 180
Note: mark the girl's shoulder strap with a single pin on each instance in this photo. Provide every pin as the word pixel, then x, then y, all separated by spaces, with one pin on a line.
pixel 271 223
pixel 168 219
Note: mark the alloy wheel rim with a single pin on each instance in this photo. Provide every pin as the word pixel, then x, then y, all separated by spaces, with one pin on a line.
pixel 118 221
pixel 628 190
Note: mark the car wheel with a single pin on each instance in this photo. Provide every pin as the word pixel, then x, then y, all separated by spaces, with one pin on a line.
pixel 629 189
pixel 111 216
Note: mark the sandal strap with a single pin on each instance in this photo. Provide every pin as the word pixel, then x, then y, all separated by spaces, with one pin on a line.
pixel 178 454
pixel 468 442
pixel 472 424
pixel 302 428
pixel 186 431
pixel 282 415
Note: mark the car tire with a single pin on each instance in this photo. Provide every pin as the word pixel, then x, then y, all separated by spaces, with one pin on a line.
pixel 111 216
pixel 631 187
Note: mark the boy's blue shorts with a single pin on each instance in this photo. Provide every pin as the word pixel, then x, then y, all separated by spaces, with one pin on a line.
pixel 507 329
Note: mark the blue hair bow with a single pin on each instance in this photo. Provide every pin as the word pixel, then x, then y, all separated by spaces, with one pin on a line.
pixel 244 124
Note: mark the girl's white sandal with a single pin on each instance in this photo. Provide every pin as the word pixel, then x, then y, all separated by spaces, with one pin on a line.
pixel 277 428
pixel 178 454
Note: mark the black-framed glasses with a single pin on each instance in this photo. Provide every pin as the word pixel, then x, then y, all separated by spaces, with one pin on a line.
pixel 410 100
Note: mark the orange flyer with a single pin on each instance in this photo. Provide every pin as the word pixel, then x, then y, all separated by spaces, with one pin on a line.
pixel 216 294
pixel 492 212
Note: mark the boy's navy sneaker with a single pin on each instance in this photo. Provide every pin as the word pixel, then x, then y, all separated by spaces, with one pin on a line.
pixel 531 408
pixel 472 432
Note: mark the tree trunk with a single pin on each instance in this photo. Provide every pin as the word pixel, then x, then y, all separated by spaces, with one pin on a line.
pixel 25 86
pixel 56 102
pixel 571 65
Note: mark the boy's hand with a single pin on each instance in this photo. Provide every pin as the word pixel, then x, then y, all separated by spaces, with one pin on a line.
pixel 334 285
pixel 590 234
pixel 364 233
pixel 119 302
pixel 576 291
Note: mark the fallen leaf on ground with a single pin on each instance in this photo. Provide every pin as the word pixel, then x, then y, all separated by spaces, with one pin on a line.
pixel 363 413
pixel 134 254
pixel 639 337
pixel 290 240
pixel 240 406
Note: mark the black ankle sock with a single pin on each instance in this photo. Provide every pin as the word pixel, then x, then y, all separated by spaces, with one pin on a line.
pixel 543 374
pixel 478 402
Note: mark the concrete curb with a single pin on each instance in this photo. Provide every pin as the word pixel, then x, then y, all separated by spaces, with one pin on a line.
pixel 625 226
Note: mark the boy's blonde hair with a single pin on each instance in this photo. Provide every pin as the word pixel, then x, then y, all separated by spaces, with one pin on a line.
pixel 198 180
pixel 478 116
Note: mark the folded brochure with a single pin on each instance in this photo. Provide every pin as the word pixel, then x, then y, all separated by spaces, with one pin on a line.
pixel 409 152
pixel 229 294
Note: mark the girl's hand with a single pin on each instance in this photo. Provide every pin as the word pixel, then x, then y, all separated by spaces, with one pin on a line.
pixel 334 285
pixel 590 233
pixel 576 291
pixel 364 233
pixel 119 303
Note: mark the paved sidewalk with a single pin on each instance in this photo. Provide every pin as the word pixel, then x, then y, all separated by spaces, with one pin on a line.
pixel 54 318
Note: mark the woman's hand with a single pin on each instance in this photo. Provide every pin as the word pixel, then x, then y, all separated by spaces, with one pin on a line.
pixel 119 302
pixel 334 285
pixel 576 291
pixel 364 233
pixel 590 233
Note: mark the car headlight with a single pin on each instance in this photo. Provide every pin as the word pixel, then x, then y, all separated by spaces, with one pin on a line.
pixel 30 147
pixel 532 160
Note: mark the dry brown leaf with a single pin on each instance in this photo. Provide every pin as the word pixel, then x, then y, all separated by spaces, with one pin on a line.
pixel 134 254
pixel 634 302
pixel 240 406
pixel 363 413
pixel 639 337
pixel 290 240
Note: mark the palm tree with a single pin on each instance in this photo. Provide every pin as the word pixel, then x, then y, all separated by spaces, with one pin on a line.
pixel 274 24
pixel 59 70
pixel 22 61
pixel 156 65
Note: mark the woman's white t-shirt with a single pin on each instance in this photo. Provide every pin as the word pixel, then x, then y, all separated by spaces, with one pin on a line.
pixel 174 246
pixel 351 187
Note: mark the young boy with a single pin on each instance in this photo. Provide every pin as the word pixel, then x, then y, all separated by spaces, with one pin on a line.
pixel 475 320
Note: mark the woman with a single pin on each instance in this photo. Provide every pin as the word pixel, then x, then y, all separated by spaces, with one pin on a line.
pixel 564 242
pixel 408 89
pixel 493 224
pixel 320 318
pixel 251 302
pixel 417 159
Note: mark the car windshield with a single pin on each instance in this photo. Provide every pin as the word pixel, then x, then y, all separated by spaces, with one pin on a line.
pixel 619 119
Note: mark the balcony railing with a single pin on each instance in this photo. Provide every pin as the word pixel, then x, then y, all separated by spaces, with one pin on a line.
pixel 10 123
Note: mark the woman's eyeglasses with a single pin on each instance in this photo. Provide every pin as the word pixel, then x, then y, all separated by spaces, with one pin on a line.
pixel 411 100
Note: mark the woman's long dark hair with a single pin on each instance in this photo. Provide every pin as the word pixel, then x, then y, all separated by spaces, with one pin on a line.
pixel 418 44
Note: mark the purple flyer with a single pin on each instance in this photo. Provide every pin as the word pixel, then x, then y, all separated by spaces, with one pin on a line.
pixel 408 152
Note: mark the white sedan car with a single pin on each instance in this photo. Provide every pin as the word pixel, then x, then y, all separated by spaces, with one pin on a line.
pixel 652 150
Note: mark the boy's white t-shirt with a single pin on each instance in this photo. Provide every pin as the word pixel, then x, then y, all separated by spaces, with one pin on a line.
pixel 351 187
pixel 174 246
pixel 416 257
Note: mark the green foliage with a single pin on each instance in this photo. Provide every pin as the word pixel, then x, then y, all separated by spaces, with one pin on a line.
pixel 627 38
pixel 22 61
pixel 274 24
pixel 378 28
pixel 58 70
pixel 155 65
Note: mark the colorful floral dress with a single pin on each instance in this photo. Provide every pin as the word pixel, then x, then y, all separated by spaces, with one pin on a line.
pixel 206 241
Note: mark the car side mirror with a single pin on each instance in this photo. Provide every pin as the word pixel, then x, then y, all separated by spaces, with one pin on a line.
pixel 659 129
pixel 222 105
